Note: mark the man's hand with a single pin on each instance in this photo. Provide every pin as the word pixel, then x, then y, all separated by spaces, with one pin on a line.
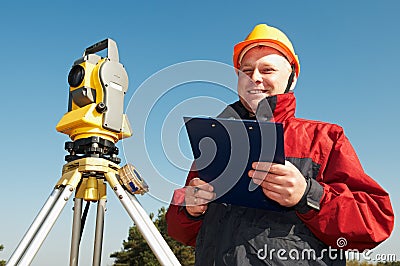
pixel 197 196
pixel 281 183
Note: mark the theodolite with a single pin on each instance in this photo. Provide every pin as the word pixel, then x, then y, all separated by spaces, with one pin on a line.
pixel 95 122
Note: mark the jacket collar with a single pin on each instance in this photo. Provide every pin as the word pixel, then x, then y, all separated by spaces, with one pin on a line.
pixel 277 108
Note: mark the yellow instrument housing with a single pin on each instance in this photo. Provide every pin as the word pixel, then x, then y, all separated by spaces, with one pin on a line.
pixel 104 83
pixel 87 122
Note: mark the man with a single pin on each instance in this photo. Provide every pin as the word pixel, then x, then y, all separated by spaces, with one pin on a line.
pixel 331 204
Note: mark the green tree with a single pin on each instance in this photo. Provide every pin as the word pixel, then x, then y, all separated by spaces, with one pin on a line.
pixel 136 251
pixel 2 262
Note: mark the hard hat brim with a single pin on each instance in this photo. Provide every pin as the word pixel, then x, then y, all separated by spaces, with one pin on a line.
pixel 240 47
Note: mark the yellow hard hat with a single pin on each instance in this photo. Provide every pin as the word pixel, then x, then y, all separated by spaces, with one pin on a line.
pixel 265 35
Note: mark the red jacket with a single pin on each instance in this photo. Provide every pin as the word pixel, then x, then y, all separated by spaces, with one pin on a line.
pixel 351 204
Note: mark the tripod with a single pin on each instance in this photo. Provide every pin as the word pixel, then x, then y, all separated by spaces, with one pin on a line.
pixel 91 164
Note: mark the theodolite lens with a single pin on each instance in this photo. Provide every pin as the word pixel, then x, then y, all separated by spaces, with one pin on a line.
pixel 76 75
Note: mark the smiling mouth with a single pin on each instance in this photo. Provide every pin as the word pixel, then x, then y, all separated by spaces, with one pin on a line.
pixel 257 91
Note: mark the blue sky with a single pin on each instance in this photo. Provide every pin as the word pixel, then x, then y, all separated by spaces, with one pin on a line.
pixel 348 52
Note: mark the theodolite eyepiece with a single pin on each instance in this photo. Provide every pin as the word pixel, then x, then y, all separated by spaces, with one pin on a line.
pixel 76 76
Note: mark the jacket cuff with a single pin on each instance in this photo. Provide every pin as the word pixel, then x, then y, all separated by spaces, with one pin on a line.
pixel 191 217
pixel 311 198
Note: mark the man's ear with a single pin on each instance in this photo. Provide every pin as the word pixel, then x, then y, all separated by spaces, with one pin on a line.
pixel 293 83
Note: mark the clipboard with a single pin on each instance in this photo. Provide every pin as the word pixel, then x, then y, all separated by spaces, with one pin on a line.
pixel 224 150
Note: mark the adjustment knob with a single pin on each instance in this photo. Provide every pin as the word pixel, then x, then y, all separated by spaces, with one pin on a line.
pixel 101 107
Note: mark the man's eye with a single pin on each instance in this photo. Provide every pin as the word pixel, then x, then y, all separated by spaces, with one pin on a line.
pixel 267 70
pixel 247 71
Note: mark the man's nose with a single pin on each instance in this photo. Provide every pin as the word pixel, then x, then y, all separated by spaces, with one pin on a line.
pixel 256 76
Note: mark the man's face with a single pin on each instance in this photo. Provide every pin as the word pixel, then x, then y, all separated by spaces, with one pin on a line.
pixel 263 72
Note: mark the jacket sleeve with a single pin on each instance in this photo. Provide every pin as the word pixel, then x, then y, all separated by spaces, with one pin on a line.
pixel 180 225
pixel 355 212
